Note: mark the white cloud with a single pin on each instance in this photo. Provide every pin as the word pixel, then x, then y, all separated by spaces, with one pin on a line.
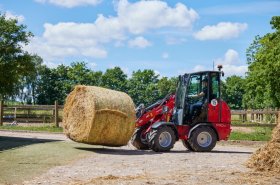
pixel 94 52
pixel 10 15
pixel 230 70
pixel 66 39
pixel 230 57
pixel 231 65
pixel 139 42
pixel 102 31
pixel 70 3
pixel 72 39
pixel 223 30
pixel 230 62
pixel 165 55
pixel 144 15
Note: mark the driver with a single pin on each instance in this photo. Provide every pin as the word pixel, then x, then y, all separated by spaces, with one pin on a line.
pixel 203 94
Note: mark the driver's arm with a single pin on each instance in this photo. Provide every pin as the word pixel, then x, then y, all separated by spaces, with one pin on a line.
pixel 197 96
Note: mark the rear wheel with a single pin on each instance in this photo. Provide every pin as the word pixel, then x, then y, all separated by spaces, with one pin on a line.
pixel 187 145
pixel 162 139
pixel 203 139
pixel 138 139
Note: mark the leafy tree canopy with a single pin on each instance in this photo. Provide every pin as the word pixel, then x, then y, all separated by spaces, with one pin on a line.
pixel 233 91
pixel 15 63
pixel 263 56
pixel 115 79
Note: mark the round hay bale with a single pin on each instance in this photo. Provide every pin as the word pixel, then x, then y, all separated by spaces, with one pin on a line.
pixel 99 116
pixel 267 158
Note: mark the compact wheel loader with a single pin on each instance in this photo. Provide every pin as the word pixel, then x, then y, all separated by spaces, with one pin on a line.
pixel 195 114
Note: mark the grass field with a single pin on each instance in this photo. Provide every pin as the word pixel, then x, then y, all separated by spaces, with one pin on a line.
pixel 257 134
pixel 47 128
pixel 31 157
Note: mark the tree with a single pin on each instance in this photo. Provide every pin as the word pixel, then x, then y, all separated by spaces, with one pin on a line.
pixel 79 74
pixel 263 57
pixel 57 83
pixel 142 87
pixel 233 91
pixel 115 79
pixel 166 86
pixel 15 63
pixel 47 89
pixel 28 84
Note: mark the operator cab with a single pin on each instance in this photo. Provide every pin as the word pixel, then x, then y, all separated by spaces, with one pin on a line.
pixel 196 94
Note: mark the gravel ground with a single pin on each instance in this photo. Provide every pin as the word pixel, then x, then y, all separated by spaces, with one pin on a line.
pixel 125 165
pixel 35 135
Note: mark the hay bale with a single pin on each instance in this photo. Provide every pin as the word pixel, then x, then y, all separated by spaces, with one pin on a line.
pixel 99 116
pixel 267 158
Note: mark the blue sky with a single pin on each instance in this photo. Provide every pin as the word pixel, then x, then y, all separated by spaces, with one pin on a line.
pixel 170 37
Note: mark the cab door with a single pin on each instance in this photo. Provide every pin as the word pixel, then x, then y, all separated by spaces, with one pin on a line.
pixel 195 87
pixel 214 103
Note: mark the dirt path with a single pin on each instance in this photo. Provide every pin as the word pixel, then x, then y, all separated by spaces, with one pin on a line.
pixel 125 165
pixel 35 135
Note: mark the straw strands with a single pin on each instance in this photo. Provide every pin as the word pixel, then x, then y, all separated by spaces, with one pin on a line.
pixel 267 158
pixel 99 116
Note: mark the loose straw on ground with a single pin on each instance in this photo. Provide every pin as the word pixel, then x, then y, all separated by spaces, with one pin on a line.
pixel 267 158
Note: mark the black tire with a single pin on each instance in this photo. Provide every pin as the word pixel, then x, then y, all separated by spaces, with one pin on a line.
pixel 203 139
pixel 136 140
pixel 162 139
pixel 187 145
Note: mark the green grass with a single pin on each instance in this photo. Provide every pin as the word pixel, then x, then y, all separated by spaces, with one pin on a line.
pixel 259 134
pixel 26 162
pixel 237 123
pixel 32 128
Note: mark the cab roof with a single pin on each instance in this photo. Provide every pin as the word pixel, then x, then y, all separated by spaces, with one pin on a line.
pixel 199 72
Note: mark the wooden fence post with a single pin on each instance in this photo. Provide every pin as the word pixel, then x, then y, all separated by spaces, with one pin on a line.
pixel 56 114
pixel 245 116
pixel 278 118
pixel 15 114
pixel 1 112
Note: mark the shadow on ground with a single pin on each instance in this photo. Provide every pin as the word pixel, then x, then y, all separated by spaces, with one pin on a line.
pixel 118 151
pixel 230 152
pixel 7 143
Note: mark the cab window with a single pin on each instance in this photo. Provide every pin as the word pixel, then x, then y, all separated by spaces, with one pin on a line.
pixel 215 91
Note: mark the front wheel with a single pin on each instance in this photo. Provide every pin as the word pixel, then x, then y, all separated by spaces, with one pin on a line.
pixel 137 139
pixel 187 145
pixel 203 139
pixel 162 139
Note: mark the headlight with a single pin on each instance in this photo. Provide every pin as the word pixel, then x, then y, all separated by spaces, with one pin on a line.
pixel 165 109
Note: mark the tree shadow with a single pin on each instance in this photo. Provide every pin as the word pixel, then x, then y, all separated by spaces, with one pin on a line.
pixel 230 152
pixel 118 151
pixel 7 143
